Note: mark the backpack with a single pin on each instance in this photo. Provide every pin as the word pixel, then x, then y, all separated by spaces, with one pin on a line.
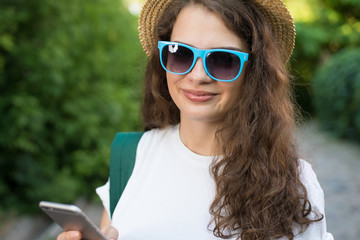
pixel 122 161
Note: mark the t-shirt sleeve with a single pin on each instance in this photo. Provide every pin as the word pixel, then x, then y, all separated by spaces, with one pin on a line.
pixel 103 193
pixel 316 230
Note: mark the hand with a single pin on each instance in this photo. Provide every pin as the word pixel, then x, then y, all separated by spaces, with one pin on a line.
pixel 110 232
pixel 70 235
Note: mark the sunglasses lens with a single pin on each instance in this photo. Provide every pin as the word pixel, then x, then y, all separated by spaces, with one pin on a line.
pixel 177 59
pixel 223 65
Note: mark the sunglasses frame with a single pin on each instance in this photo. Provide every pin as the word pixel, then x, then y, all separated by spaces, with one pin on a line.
pixel 203 53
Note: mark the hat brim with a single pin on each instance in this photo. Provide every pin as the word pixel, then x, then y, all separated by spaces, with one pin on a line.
pixel 274 10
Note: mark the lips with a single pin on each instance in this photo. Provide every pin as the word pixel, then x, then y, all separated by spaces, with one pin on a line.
pixel 199 96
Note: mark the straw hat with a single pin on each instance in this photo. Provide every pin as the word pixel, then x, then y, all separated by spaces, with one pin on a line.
pixel 274 10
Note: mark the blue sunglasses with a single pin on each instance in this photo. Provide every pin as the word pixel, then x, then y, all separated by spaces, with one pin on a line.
pixel 220 64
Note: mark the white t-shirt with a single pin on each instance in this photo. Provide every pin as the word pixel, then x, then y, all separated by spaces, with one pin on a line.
pixel 170 191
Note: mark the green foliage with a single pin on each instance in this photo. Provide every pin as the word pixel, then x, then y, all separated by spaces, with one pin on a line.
pixel 69 79
pixel 336 26
pixel 337 94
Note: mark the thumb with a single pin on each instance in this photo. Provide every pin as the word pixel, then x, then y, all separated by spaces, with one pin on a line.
pixel 110 232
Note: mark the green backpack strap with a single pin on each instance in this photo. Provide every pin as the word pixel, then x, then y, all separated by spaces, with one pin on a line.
pixel 122 161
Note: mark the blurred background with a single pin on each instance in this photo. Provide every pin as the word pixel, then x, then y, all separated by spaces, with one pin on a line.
pixel 71 76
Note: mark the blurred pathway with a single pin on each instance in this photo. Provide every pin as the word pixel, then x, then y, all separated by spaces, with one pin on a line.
pixel 337 165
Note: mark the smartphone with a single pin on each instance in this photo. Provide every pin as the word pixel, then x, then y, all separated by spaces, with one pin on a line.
pixel 70 217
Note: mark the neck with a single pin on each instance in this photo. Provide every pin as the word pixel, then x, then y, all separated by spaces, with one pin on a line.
pixel 199 137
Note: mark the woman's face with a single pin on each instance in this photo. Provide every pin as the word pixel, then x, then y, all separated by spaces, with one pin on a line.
pixel 199 97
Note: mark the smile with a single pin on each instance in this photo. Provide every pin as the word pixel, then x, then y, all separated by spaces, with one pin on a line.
pixel 198 96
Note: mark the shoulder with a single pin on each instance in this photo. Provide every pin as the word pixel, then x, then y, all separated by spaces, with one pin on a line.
pixel 309 179
pixel 157 138
pixel 159 134
pixel 316 230
pixel 307 174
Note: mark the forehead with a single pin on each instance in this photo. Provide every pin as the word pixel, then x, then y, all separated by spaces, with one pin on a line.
pixel 201 28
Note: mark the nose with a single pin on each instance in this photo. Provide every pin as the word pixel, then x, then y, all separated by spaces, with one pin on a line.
pixel 198 73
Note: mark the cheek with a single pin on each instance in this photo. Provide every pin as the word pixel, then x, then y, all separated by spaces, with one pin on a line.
pixel 172 81
pixel 231 88
pixel 232 92
pixel 234 88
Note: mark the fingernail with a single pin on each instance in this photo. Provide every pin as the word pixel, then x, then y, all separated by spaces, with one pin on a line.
pixel 75 234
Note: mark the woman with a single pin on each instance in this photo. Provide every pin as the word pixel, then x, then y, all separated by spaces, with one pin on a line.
pixel 218 158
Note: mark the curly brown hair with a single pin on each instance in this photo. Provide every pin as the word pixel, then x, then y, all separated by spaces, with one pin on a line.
pixel 259 194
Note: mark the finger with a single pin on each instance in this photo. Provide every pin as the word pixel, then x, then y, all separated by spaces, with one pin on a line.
pixel 70 235
pixel 110 232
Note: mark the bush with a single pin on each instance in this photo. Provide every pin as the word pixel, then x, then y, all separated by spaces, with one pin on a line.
pixel 329 26
pixel 337 94
pixel 69 79
pixel 311 40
